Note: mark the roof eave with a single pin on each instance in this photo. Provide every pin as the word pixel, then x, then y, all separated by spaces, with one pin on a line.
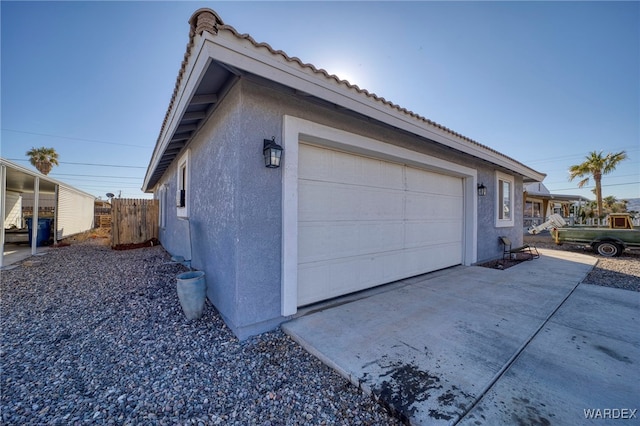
pixel 211 40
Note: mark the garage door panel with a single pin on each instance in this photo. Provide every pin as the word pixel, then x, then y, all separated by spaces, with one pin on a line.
pixel 429 233
pixel 437 256
pixel 347 202
pixel 333 241
pixel 433 207
pixel 324 165
pixel 345 239
pixel 349 275
pixel 344 276
pixel 365 222
pixel 433 183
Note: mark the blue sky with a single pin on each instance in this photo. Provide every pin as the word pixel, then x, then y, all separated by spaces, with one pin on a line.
pixel 542 82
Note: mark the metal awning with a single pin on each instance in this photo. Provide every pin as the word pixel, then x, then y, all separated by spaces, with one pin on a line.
pixel 20 179
pixel 15 178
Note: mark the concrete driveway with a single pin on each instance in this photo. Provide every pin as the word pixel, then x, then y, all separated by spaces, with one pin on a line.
pixel 472 345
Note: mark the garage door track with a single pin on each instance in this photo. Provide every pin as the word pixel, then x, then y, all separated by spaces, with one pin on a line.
pixel 473 345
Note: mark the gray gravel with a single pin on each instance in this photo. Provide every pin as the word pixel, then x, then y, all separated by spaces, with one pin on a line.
pixel 95 336
pixel 619 272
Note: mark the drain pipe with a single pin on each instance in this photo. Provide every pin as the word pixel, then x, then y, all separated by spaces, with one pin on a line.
pixel 515 356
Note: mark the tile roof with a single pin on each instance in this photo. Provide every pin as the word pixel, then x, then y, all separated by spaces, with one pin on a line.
pixel 205 19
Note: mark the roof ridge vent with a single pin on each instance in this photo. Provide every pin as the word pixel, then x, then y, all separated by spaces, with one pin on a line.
pixel 205 19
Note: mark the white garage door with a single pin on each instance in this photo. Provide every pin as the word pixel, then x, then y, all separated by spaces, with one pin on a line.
pixel 365 222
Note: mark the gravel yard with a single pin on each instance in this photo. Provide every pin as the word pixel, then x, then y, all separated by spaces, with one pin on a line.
pixel 96 336
pixel 93 335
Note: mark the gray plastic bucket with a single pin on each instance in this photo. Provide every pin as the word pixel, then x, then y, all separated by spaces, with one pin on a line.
pixel 192 290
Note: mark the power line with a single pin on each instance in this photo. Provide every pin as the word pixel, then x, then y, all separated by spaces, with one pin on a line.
pixel 608 177
pixel 106 182
pixel 87 164
pixel 101 176
pixel 591 187
pixel 627 149
pixel 74 139
pixel 102 187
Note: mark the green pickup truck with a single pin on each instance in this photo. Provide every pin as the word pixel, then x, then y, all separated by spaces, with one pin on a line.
pixel 610 241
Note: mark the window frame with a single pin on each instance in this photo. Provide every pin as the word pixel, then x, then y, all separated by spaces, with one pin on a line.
pixel 530 208
pixel 501 179
pixel 183 181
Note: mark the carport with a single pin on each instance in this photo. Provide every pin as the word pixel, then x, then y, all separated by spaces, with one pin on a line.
pixel 73 210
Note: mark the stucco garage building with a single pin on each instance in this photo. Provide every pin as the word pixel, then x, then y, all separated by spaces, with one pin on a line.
pixel 367 192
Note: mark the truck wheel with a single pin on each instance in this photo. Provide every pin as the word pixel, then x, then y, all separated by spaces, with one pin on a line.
pixel 608 249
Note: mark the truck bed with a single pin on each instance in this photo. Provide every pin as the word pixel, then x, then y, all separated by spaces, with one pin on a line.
pixel 631 237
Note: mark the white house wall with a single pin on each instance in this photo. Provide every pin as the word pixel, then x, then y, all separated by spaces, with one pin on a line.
pixel 75 212
pixel 13 210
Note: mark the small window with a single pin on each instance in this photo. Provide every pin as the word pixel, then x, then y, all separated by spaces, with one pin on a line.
pixel 532 209
pixel 504 200
pixel 182 193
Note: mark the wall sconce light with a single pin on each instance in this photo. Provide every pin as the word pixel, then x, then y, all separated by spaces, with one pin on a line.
pixel 272 153
pixel 482 190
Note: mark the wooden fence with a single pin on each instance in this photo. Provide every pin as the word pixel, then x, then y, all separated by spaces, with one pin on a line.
pixel 133 221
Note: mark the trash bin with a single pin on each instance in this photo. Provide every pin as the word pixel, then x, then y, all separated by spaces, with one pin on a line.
pixel 44 231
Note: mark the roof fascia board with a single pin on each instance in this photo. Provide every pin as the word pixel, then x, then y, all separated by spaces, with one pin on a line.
pixel 228 48
pixel 193 74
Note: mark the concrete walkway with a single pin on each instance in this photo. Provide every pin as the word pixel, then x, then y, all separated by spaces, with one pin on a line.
pixel 473 345
pixel 13 254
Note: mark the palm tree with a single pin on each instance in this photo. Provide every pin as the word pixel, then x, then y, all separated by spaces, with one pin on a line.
pixel 596 165
pixel 43 159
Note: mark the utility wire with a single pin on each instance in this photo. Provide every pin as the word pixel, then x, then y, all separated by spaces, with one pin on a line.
pixel 75 139
pixel 86 164
pixel 581 156
pixel 97 176
pixel 608 177
pixel 591 187
pixel 106 182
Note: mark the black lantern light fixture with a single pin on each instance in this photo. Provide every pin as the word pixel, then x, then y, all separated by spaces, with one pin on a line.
pixel 482 190
pixel 272 153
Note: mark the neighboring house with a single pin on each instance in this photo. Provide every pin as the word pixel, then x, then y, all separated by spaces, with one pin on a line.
pixel 539 204
pixel 367 192
pixel 70 208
